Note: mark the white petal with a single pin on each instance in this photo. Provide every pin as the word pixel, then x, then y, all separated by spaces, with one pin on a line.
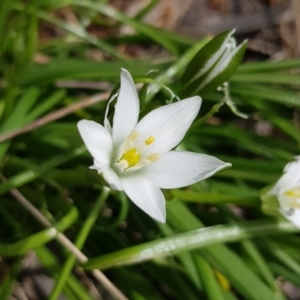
pixel 126 110
pixel 289 180
pixel 111 177
pixel 285 201
pixel 181 168
pixel 146 196
pixel 168 124
pixel 294 217
pixel 106 121
pixel 97 140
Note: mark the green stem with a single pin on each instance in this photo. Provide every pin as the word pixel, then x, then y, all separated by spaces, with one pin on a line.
pixel 80 240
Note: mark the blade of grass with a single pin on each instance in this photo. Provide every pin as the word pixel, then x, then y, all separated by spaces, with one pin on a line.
pixel 267 93
pixel 216 198
pixel 211 287
pixel 47 104
pixel 193 239
pixel 51 263
pixel 254 254
pixel 22 108
pixel 4 12
pixel 221 257
pixel 186 258
pixel 269 66
pixel 280 78
pixel 285 273
pixel 8 284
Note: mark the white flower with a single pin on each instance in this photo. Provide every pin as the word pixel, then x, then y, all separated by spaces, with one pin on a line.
pixel 287 191
pixel 136 156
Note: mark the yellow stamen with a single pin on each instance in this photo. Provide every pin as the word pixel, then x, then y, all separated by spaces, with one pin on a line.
pixel 225 284
pixel 295 204
pixel 150 140
pixel 293 193
pixel 153 157
pixel 133 135
pixel 132 157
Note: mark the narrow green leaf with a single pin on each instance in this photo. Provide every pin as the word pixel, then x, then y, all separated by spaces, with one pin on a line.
pixel 82 236
pixel 77 69
pixel 269 66
pixel 280 78
pixel 222 258
pixel 219 74
pixel 5 7
pixel 54 266
pixel 267 93
pixel 9 281
pixel 22 108
pixel 213 64
pixel 216 198
pixel 206 57
pixel 211 287
pixel 190 240
pixel 285 273
pixel 47 104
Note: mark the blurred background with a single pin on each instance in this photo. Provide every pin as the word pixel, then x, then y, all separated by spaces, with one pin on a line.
pixel 271 26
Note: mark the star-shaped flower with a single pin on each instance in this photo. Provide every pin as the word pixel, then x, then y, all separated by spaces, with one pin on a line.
pixel 287 191
pixel 137 156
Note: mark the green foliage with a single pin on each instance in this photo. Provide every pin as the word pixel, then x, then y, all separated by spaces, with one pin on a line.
pixel 205 250
pixel 213 64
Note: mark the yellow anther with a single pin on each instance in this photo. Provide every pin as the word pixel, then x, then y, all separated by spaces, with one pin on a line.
pixel 293 193
pixel 295 204
pixel 150 140
pixel 132 157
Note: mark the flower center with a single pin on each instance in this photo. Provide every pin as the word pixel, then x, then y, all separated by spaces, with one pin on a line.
pixel 294 195
pixel 131 154
pixel 130 158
